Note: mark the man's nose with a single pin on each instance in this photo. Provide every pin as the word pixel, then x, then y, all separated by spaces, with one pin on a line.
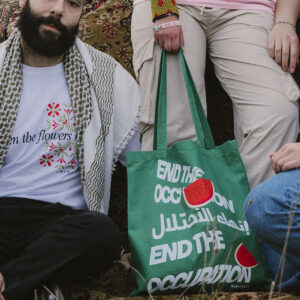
pixel 58 7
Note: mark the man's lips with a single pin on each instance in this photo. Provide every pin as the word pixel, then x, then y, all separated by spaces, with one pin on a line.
pixel 51 27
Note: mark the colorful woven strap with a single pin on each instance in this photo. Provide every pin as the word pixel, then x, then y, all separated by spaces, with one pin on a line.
pixel 163 8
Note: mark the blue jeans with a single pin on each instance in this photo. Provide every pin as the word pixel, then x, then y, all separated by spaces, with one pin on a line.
pixel 269 208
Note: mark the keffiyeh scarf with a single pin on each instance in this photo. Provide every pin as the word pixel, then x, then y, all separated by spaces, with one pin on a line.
pixel 91 93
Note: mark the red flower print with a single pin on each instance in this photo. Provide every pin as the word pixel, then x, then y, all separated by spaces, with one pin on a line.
pixel 68 111
pixel 160 3
pixel 52 146
pixel 46 160
pixel 54 125
pixel 53 110
pixel 72 162
pixel 61 161
pixel 70 149
pixel 173 1
pixel 169 11
pixel 155 15
pixel 65 122
pixel 61 150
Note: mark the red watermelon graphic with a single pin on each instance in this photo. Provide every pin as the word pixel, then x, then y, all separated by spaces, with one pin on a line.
pixel 244 258
pixel 198 193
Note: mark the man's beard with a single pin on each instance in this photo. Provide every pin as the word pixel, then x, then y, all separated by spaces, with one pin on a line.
pixel 45 43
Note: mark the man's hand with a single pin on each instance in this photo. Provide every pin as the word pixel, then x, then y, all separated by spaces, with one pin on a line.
pixel 284 46
pixel 169 38
pixel 286 158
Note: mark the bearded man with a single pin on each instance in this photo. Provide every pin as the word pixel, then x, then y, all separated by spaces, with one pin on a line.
pixel 67 112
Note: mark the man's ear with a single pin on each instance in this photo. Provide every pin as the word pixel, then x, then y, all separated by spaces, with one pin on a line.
pixel 22 3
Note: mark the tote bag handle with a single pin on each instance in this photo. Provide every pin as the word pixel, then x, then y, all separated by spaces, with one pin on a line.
pixel 202 128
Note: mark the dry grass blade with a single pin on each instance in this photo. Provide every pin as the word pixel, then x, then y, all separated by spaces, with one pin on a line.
pixel 272 288
pixel 205 260
pixel 219 287
pixel 50 292
pixel 202 288
pixel 139 273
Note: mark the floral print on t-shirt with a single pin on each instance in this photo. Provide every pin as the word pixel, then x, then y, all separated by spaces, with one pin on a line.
pixel 59 138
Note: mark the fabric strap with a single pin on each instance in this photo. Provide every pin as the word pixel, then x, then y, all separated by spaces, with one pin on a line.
pixel 202 128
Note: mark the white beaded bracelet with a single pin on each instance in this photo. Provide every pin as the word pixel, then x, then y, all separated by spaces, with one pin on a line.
pixel 285 22
pixel 166 25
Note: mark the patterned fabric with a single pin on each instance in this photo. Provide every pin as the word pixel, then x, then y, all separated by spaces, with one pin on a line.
pixel 5 14
pixel 10 92
pixel 163 8
pixel 79 89
pixel 106 27
pixel 104 92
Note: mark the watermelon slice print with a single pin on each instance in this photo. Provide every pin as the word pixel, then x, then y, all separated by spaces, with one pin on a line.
pixel 198 193
pixel 244 258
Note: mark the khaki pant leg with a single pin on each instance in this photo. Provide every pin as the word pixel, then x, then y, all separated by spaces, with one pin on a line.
pixel 146 61
pixel 264 97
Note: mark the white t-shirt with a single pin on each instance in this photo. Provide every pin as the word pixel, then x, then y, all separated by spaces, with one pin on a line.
pixel 41 161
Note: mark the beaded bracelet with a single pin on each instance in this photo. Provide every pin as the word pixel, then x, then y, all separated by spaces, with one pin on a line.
pixel 167 14
pixel 285 22
pixel 166 25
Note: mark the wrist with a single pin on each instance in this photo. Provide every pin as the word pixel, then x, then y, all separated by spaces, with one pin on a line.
pixel 283 22
pixel 166 25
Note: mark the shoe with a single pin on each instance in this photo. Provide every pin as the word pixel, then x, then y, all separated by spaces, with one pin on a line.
pixel 51 292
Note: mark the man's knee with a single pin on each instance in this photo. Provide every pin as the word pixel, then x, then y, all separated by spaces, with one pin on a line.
pixel 99 234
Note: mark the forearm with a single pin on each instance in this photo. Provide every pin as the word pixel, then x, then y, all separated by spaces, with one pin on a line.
pixel 287 11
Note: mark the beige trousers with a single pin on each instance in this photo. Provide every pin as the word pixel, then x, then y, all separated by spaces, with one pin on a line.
pixel 264 97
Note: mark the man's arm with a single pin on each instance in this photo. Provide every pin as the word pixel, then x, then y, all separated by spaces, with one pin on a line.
pixel 283 40
pixel 286 158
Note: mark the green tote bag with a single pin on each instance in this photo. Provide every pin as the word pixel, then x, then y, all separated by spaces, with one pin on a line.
pixel 186 227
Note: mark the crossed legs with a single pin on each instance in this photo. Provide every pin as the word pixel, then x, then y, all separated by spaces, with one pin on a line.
pixel 52 242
